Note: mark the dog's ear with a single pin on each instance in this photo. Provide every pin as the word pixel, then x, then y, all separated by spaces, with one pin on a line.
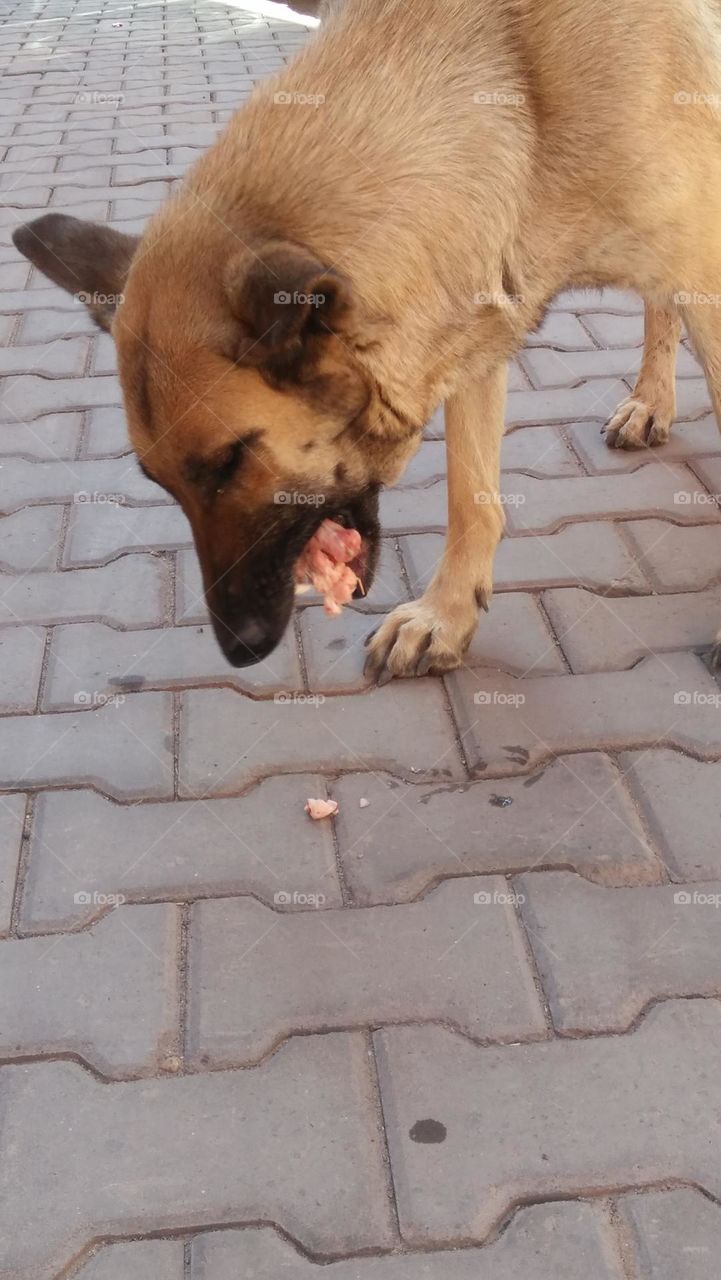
pixel 286 303
pixel 91 261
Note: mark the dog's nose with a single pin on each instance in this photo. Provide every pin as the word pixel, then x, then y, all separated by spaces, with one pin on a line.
pixel 248 642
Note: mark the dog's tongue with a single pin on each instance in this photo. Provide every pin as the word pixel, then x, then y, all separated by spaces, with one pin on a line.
pixel 325 564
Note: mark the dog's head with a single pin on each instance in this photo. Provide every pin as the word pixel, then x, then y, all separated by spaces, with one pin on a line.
pixel 245 400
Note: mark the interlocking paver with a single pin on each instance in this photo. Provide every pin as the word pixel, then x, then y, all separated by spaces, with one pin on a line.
pixel 546 1120
pixel 592 555
pixel 409 836
pixel 227 741
pixel 513 637
pixel 106 433
pixel 57 359
pixel 680 799
pixel 595 399
pixel 141 1259
pixel 709 472
pixel 688 440
pixel 185 850
pixel 675 1235
pixel 29 539
pixel 52 436
pixel 543 505
pixel 98 532
pixel 677 559
pixel 86 482
pixel 182 1152
pixel 561 330
pixel 605 954
pixel 510 726
pixel 109 995
pixel 257 976
pixel 21 662
pixel 107 661
pixel 540 451
pixel 601 634
pixel 546 1242
pixel 125 750
pixel 30 396
pixel 548 368
pixel 12 818
pixel 128 593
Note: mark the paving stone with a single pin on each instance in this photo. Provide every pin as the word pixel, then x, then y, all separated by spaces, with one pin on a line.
pixel 542 505
pixel 107 433
pixel 596 399
pixel 601 634
pixel 102 483
pixel 509 726
pixel 605 954
pixel 227 742
pixel 12 818
pixel 141 1259
pixel 53 436
pixel 29 396
pixel 709 472
pixel 60 358
pixel 575 813
pixel 618 301
pixel 546 1242
pixel 94 657
pixel 615 330
pixel 99 532
pixel 688 440
pixel 109 995
pixel 548 368
pixel 129 593
pixel 676 559
pixel 258 976
pixel 675 1235
pixel 200 1149
pixel 513 636
pixel 692 398
pixel 546 1120
pixel 184 850
pixel 30 539
pixel 62 321
pixel 591 554
pixel 125 750
pixel 681 801
pixel 562 330
pixel 402 510
pixel 21 663
pixel 541 451
pixel 428 464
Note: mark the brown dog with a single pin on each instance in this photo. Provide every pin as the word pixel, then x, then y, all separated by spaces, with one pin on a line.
pixel 374 234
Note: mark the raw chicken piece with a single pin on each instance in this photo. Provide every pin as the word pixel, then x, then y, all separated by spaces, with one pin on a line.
pixel 325 565
pixel 321 808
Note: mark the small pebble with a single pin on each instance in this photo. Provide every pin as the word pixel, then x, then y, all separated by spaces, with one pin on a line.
pixel 364 803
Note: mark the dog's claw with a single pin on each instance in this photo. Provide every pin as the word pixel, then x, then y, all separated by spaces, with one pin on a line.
pixel 716 656
pixel 368 638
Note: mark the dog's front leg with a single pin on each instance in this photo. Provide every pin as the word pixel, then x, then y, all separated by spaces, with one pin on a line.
pixel 430 635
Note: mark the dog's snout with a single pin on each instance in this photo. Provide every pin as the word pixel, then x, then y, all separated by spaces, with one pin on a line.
pixel 247 641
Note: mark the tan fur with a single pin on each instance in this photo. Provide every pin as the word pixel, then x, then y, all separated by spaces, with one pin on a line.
pixel 469 159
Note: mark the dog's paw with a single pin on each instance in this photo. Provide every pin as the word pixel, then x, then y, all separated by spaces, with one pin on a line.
pixel 638 425
pixel 419 639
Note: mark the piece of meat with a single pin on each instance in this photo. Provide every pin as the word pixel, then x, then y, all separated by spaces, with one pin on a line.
pixel 321 809
pixel 325 562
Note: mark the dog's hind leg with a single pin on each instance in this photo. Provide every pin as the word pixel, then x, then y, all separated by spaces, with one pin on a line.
pixel 430 635
pixel 645 418
pixel 703 321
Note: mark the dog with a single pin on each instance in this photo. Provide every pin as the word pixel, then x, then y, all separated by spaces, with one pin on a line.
pixel 374 234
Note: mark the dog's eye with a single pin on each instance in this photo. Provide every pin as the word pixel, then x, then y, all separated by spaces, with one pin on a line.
pixel 227 464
